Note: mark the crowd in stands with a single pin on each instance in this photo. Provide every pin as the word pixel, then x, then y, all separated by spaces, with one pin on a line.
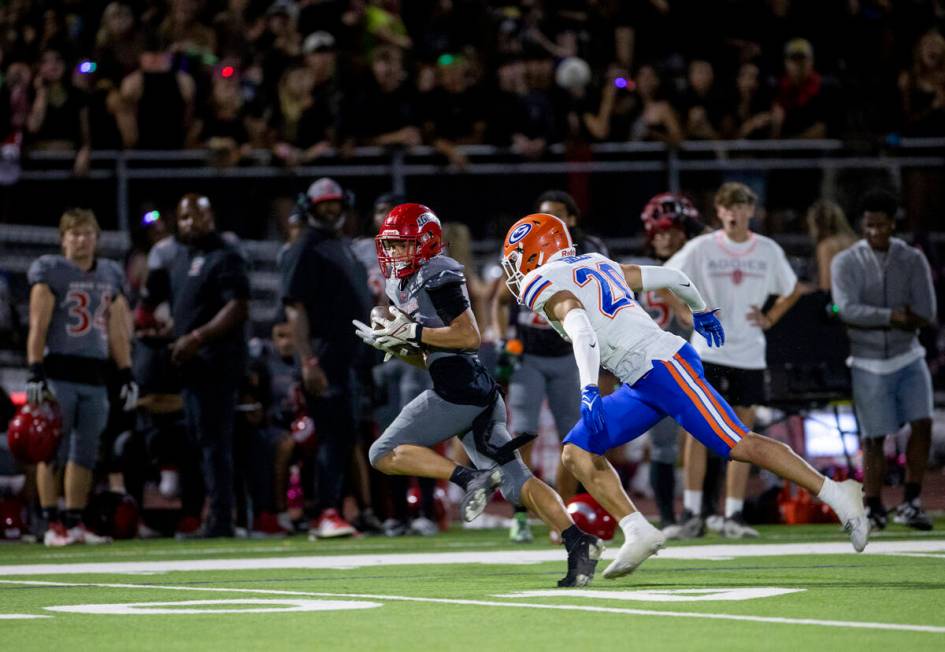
pixel 303 78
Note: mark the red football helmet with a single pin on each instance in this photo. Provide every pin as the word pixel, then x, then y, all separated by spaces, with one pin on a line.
pixel 113 514
pixel 12 526
pixel 35 431
pixel 410 235
pixel 670 210
pixel 591 517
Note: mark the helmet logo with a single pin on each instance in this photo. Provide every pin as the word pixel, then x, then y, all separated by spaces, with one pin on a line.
pixel 426 218
pixel 519 233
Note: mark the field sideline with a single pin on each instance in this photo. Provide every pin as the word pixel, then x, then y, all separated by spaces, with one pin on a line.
pixel 796 587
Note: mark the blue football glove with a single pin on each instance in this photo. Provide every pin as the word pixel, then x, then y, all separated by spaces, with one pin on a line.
pixel 709 327
pixel 592 411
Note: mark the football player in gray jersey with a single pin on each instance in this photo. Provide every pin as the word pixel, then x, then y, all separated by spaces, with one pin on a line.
pixel 78 319
pixel 432 325
pixel 669 220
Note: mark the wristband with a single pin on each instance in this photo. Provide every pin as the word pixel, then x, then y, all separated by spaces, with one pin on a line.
pixel 418 337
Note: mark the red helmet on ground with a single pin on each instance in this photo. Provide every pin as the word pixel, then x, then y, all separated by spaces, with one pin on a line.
pixel 12 526
pixel 671 210
pixel 34 432
pixel 591 517
pixel 418 230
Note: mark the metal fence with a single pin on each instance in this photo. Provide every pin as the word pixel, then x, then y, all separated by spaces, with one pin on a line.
pixel 613 179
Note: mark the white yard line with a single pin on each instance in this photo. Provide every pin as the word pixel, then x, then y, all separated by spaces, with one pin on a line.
pixel 515 605
pixel 513 557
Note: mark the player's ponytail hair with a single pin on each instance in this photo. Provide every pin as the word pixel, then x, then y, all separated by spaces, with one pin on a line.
pixel 74 218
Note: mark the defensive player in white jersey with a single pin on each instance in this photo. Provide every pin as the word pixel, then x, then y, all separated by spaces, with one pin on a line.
pixel 588 300
pixel 737 270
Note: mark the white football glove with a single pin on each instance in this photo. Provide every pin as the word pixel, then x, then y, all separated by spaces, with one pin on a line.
pixel 399 331
pixel 372 338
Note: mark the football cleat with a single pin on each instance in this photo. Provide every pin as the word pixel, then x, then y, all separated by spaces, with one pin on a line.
pixel 368 522
pixel 478 492
pixel 57 536
pixel 521 531
pixel 715 523
pixel 424 527
pixel 582 561
pixel 82 534
pixel 911 514
pixel 394 528
pixel 266 526
pixel 852 513
pixel 331 525
pixel 641 543
pixel 692 527
pixel 734 527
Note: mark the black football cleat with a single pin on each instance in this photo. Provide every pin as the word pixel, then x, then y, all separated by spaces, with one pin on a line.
pixel 582 561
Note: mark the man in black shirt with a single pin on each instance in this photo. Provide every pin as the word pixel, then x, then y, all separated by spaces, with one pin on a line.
pixel 324 287
pixel 208 289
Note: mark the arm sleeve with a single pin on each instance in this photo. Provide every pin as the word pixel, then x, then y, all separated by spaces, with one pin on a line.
pixel 674 280
pixel 584 340
pixel 449 301
pixel 845 284
pixel 921 291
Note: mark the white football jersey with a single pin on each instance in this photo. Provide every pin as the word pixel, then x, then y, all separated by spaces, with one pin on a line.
pixel 734 276
pixel 628 337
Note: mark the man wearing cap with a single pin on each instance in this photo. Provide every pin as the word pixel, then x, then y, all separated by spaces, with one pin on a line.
pixel 324 287
pixel 207 286
pixel 802 100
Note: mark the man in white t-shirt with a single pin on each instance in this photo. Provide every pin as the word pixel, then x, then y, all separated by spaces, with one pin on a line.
pixel 737 270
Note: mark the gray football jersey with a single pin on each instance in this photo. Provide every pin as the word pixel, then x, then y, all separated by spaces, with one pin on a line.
pixel 79 324
pixel 656 306
pixel 414 299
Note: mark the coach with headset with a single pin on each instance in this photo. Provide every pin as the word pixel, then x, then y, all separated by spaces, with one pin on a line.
pixel 324 287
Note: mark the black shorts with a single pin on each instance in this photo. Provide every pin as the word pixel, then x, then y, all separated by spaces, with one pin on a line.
pixel 740 387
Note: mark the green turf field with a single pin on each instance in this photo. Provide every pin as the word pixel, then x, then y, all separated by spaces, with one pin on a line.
pixel 798 588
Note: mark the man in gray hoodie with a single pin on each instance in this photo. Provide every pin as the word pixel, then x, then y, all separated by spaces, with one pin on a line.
pixel 883 290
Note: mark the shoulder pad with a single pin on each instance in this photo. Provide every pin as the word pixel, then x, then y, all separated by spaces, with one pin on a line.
pixel 42 268
pixel 440 271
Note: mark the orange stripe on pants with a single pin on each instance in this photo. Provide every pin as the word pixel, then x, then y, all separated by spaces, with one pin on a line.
pixel 708 392
pixel 695 400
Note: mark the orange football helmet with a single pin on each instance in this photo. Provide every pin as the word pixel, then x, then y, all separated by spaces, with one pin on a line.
pixel 530 243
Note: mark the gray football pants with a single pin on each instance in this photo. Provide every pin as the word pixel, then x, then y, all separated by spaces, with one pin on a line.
pixel 84 416
pixel 539 376
pixel 428 420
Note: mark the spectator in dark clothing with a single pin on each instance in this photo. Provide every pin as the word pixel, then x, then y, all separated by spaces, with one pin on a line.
pixel 383 108
pixel 454 111
pixel 302 127
pixel 324 287
pixel 922 88
pixel 157 101
pixel 802 103
pixel 208 288
pixel 222 129
pixel 118 43
pixel 702 108
pixel 59 118
pixel 749 115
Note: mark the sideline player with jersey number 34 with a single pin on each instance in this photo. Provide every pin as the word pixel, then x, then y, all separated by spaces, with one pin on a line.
pixel 588 301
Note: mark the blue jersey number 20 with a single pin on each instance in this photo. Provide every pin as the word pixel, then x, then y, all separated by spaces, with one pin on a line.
pixel 614 293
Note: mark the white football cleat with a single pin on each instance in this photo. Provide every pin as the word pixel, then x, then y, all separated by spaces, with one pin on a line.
pixel 734 527
pixel 644 542
pixel 852 513
pixel 58 536
pixel 83 535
